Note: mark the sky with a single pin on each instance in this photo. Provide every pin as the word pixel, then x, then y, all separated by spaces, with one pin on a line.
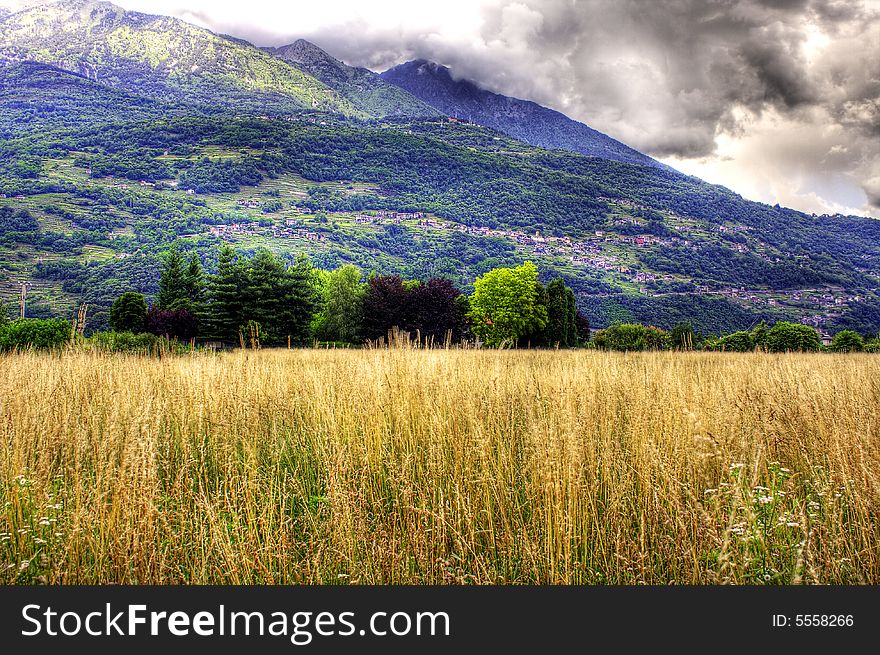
pixel 778 100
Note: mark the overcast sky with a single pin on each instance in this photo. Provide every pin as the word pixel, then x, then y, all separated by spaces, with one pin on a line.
pixel 777 99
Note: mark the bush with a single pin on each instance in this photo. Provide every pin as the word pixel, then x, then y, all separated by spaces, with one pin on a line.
pixel 128 342
pixel 793 337
pixel 847 341
pixel 738 342
pixel 872 347
pixel 633 337
pixel 34 333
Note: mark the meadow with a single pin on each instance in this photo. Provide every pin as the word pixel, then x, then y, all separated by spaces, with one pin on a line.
pixel 440 467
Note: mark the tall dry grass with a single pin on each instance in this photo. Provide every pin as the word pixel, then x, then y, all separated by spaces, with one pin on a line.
pixel 440 467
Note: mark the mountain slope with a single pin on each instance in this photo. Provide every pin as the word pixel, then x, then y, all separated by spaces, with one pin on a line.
pixel 161 57
pixel 36 97
pixel 363 88
pixel 522 119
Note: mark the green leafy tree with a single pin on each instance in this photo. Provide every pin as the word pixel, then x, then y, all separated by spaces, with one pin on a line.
pixel 34 333
pixel 847 341
pixel 683 337
pixel 505 305
pixel 129 313
pixel 342 296
pixel 792 337
pixel 760 335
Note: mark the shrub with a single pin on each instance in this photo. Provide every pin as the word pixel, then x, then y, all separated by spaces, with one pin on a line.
pixel 34 333
pixel 847 341
pixel 127 342
pixel 738 342
pixel 633 337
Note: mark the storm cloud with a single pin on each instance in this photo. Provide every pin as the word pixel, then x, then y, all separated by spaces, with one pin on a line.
pixel 777 99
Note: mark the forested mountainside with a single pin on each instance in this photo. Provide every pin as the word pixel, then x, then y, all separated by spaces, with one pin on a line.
pixel 100 171
pixel 521 119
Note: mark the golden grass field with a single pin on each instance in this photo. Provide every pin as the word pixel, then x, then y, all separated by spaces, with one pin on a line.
pixel 440 467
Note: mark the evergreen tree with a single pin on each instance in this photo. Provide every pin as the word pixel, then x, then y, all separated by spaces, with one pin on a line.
pixel 194 282
pixel 571 318
pixel 173 292
pixel 280 299
pixel 561 328
pixel 225 288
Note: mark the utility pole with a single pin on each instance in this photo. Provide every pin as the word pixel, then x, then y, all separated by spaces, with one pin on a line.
pixel 23 297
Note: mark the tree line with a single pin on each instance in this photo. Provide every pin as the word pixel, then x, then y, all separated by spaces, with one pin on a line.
pixel 262 298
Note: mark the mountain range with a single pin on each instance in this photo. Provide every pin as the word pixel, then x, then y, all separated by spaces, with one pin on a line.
pixel 120 131
pixel 522 119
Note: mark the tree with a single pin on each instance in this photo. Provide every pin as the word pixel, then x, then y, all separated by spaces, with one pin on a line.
pixel 129 313
pixel 342 299
pixel 792 337
pixel 582 325
pixel 34 333
pixel 505 305
pixel 760 335
pixel 384 306
pixel 172 323
pixel 194 282
pixel 561 327
pixel 173 291
pixel 433 308
pixel 279 298
pixel 847 341
pixel 682 336
pixel 224 288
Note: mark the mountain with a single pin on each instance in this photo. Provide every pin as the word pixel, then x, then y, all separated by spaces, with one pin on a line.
pixel 522 119
pixel 162 57
pixel 112 146
pixel 36 97
pixel 363 88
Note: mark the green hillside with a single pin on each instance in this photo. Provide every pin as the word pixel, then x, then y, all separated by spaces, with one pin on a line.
pixel 364 89
pixel 161 57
